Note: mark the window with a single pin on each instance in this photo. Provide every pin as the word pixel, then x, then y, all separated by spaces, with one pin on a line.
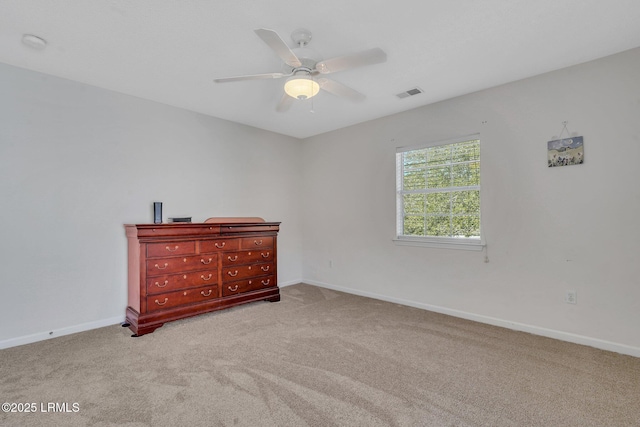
pixel 438 194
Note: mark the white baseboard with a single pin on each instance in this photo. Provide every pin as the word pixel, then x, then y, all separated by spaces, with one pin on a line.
pixel 41 336
pixel 290 282
pixel 536 330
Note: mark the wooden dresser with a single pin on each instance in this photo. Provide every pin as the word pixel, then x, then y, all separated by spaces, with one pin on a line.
pixel 179 270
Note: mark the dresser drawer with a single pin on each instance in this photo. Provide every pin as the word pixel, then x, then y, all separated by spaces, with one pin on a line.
pixel 174 299
pixel 256 242
pixel 248 285
pixel 247 257
pixel 154 231
pixel 155 250
pixel 245 271
pixel 170 282
pixel 162 266
pixel 217 245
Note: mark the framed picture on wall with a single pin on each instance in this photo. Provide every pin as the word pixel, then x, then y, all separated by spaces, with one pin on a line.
pixel 565 152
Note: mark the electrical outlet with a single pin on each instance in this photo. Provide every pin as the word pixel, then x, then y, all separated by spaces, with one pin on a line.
pixel 571 297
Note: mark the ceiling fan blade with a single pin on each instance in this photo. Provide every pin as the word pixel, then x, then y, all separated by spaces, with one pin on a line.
pixel 252 77
pixel 366 57
pixel 339 89
pixel 285 103
pixel 273 40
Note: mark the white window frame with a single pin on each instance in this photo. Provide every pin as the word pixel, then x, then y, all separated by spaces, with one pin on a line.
pixel 464 243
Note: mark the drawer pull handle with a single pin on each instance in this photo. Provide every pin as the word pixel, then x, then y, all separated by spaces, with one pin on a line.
pixel 162 303
pixel 265 255
pixel 206 278
pixel 267 282
pixel 220 246
pixel 257 242
pixel 232 259
pixel 162 268
pixel 234 274
pixel 235 288
pixel 205 295
pixel 206 262
pixel 166 282
pixel 265 268
pixel 175 248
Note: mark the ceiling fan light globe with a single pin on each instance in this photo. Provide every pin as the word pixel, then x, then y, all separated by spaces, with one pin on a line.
pixel 301 87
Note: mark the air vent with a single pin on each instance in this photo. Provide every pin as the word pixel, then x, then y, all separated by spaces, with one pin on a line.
pixel 410 92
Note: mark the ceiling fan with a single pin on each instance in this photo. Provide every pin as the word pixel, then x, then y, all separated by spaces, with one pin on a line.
pixel 303 66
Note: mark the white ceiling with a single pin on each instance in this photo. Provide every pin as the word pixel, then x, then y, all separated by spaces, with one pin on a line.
pixel 170 50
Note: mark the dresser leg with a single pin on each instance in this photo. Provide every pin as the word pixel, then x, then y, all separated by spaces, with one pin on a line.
pixel 144 330
pixel 274 298
pixel 125 324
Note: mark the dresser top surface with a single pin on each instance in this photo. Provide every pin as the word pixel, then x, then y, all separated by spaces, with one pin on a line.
pixel 200 224
pixel 199 229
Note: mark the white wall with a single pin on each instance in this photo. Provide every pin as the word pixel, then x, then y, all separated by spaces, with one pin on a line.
pixel 78 162
pixel 548 230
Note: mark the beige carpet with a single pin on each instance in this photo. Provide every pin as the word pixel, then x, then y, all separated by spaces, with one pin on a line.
pixel 319 358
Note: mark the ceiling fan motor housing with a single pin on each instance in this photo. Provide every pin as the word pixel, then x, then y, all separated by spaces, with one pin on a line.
pixel 308 58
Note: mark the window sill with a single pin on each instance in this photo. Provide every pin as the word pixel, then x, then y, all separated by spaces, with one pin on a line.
pixel 443 243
